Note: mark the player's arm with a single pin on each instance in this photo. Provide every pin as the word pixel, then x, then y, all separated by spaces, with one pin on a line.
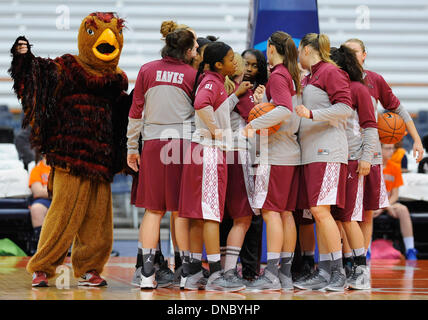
pixel 390 102
pixel 135 123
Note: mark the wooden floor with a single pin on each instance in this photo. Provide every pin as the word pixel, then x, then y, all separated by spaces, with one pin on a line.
pixel 391 280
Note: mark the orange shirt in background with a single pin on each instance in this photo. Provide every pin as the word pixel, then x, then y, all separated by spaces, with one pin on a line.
pixel 392 176
pixel 40 173
pixel 398 155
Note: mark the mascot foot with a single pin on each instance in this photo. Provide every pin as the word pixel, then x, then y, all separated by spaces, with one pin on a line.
pixel 92 279
pixel 39 279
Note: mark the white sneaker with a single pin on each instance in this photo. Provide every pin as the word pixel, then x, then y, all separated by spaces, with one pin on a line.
pixel 360 279
pixel 148 282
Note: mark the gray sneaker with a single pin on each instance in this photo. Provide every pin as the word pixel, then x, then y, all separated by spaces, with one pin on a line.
pixel 233 276
pixel 177 278
pixel 195 281
pixel 316 281
pixel 266 281
pixel 218 282
pixel 164 275
pixel 136 279
pixel 286 282
pixel 360 279
pixel 337 281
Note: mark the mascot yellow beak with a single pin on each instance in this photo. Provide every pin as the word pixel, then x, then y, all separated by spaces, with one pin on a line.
pixel 106 47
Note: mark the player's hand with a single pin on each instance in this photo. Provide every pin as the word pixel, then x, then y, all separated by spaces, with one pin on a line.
pixel 419 149
pixel 258 94
pixel 218 135
pixel 377 212
pixel 133 161
pixel 248 131
pixel 22 47
pixel 260 89
pixel 243 87
pixel 392 212
pixel 363 168
pixel 303 112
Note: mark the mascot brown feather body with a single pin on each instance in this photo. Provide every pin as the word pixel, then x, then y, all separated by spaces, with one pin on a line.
pixel 77 107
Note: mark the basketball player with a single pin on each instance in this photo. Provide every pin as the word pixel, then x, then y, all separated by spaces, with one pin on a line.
pixel 375 196
pixel 163 90
pixel 277 179
pixel 326 106
pixel 240 179
pixel 361 132
pixel 203 187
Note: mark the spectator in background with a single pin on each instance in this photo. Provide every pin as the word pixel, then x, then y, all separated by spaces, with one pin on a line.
pixel 41 202
pixel 399 156
pixel 423 165
pixel 393 180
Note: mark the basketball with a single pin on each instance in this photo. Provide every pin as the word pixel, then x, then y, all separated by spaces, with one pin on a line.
pixel 260 110
pixel 391 128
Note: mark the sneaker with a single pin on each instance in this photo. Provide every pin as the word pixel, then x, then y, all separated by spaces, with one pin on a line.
pixel 307 269
pixel 411 254
pixel 360 279
pixel 337 281
pixel 177 278
pixel 148 282
pixel 182 281
pixel 195 281
pixel 317 280
pixel 217 282
pixel 266 281
pixel 286 282
pixel 39 279
pixel 91 279
pixel 232 275
pixel 164 275
pixel 248 274
pixel 348 264
pixel 136 279
pixel 206 272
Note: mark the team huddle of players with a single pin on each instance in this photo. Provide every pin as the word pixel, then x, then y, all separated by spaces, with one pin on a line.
pixel 204 159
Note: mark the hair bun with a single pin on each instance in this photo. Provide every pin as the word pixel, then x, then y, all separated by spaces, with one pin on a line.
pixel 212 38
pixel 167 27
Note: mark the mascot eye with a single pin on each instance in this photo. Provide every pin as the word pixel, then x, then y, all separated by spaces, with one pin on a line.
pixel 90 32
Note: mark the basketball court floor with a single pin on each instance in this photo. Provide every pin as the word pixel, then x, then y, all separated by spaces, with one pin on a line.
pixel 391 280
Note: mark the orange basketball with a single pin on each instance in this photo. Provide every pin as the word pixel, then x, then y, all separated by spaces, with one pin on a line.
pixel 260 110
pixel 391 128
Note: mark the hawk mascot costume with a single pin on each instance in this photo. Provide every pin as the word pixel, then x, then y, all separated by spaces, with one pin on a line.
pixel 77 107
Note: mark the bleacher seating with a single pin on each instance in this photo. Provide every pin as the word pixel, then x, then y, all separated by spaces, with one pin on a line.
pixel 395 38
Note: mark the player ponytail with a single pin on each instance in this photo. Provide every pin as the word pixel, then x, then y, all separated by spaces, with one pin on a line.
pixel 286 47
pixel 346 59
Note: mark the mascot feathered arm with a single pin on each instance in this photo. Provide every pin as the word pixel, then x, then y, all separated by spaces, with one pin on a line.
pixel 36 82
